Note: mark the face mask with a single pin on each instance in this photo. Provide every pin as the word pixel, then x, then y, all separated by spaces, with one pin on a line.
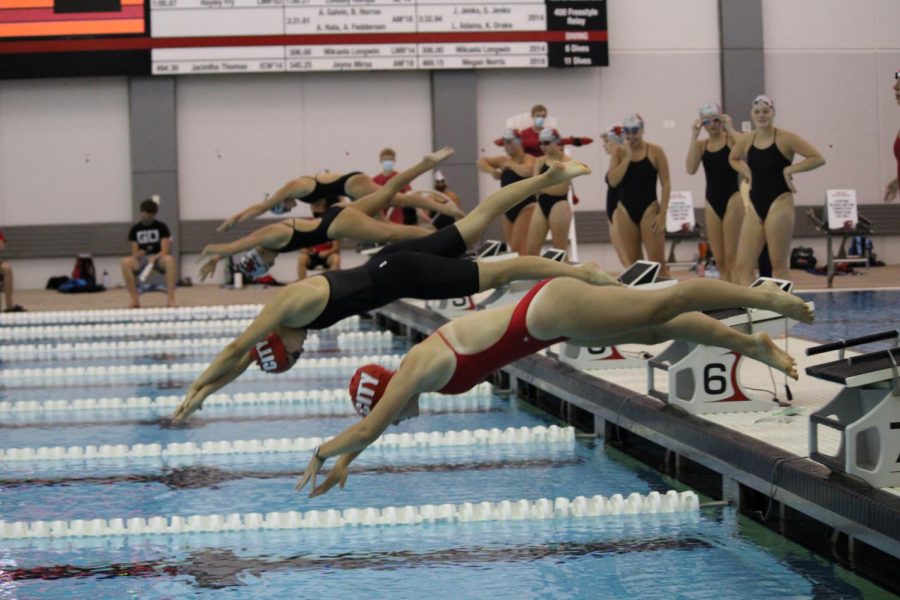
pixel 539 121
pixel 387 166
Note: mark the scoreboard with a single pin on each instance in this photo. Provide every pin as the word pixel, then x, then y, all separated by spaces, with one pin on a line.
pixel 174 37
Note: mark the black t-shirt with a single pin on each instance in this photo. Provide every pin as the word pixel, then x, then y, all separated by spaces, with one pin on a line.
pixel 148 237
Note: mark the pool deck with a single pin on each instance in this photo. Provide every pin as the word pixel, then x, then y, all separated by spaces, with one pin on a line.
pixel 762 451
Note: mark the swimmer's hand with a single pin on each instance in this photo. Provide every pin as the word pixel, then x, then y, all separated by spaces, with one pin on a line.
pixel 312 470
pixel 192 402
pixel 696 126
pixel 337 475
pixel 659 223
pixel 890 192
pixel 208 269
pixel 227 223
pixel 789 180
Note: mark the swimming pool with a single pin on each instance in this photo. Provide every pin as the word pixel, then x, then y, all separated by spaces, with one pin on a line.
pixel 710 553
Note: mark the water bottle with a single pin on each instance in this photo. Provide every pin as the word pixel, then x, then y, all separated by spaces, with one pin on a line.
pixel 105 280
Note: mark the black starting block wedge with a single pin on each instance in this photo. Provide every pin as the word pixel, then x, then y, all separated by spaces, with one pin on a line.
pixel 866 411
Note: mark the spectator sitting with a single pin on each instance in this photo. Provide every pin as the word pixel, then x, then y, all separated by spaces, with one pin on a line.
pixel 150 247
pixel 327 256
pixel 6 281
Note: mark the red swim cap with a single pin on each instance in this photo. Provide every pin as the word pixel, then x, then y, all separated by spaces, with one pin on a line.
pixel 367 387
pixel 271 355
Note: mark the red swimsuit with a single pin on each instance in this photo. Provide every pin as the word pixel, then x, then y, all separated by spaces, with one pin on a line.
pixel 515 343
pixel 897 154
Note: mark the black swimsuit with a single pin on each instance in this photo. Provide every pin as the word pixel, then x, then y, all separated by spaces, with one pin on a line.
pixel 426 268
pixel 721 179
pixel 330 192
pixel 319 235
pixel 508 176
pixel 546 201
pixel 638 188
pixel 612 199
pixel 767 170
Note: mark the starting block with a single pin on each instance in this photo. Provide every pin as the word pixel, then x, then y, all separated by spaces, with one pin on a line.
pixel 866 412
pixel 640 275
pixel 706 379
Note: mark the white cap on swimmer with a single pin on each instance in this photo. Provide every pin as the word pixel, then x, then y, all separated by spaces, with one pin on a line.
pixel 763 99
pixel 549 136
pixel 710 110
pixel 439 176
pixel 511 135
pixel 614 134
pixel 634 121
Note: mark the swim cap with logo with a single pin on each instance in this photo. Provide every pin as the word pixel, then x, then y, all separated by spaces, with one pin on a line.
pixel 367 387
pixel 272 356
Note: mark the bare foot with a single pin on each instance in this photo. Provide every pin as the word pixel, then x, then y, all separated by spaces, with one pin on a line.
pixel 135 304
pixel 171 304
pixel 596 276
pixel 438 156
pixel 765 351
pixel 560 172
pixel 789 305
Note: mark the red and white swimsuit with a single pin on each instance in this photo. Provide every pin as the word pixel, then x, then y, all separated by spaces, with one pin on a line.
pixel 515 343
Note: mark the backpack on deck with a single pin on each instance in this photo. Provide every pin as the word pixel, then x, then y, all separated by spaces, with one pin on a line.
pixel 84 269
pixel 802 258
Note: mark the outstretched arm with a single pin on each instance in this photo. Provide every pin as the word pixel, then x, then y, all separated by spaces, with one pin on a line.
pixel 296 188
pixel 234 359
pixel 271 237
pixel 416 375
pixel 198 392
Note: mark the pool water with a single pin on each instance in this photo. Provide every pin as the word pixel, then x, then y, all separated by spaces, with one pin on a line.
pixel 711 554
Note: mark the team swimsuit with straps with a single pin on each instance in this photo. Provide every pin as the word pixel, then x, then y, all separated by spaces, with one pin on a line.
pixel 515 343
pixel 721 179
pixel 330 192
pixel 507 177
pixel 427 268
pixel 638 188
pixel 767 170
pixel 319 235
pixel 546 201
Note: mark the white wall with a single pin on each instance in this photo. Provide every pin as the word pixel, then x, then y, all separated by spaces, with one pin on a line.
pixel 240 137
pixel 830 70
pixel 829 66
pixel 64 151
pixel 661 71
